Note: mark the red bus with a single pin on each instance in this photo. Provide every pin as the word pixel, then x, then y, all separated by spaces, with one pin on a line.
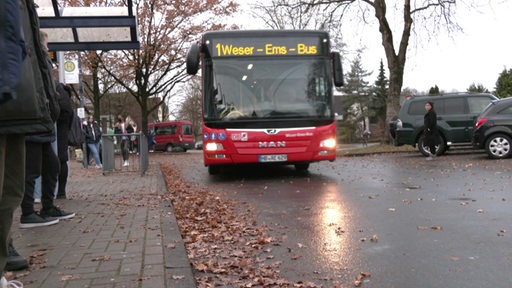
pixel 172 134
pixel 267 96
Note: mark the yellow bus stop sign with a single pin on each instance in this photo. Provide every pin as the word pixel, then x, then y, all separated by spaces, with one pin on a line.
pixel 69 66
pixel 71 72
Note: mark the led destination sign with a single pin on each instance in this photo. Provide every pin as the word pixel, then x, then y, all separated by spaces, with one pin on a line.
pixel 237 47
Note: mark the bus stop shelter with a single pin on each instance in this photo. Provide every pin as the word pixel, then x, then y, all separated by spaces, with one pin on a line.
pixel 88 28
pixel 91 28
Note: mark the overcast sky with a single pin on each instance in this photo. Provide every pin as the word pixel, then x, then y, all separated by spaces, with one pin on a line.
pixel 476 55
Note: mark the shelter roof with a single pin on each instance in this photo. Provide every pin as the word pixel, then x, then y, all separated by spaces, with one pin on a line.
pixel 88 28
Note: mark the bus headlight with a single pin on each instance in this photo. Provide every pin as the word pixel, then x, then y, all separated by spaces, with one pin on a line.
pixel 212 146
pixel 328 143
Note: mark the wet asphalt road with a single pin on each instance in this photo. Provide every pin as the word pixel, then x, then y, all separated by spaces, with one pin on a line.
pixel 406 221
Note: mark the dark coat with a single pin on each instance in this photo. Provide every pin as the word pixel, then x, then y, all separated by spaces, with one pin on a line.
pixel 46 137
pixel 91 137
pixel 12 50
pixel 129 129
pixel 430 126
pixel 64 121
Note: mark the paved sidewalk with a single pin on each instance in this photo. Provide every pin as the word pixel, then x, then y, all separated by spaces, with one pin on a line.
pixel 124 235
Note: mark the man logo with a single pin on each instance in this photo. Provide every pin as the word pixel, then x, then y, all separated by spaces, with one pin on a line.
pixel 272 144
pixel 272 131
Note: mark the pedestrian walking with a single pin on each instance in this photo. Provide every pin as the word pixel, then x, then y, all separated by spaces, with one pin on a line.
pixel 431 134
pixel 366 137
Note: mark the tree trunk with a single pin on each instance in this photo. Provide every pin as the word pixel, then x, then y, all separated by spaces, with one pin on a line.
pixel 396 62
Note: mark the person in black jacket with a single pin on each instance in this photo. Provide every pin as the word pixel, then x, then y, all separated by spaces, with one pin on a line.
pixel 63 127
pixel 92 138
pixel 45 163
pixel 12 148
pixel 130 130
pixel 120 128
pixel 430 126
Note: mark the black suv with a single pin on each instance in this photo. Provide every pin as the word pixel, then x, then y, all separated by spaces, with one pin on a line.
pixel 456 114
pixel 493 129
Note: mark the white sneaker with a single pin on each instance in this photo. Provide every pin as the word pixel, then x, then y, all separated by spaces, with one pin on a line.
pixel 37 200
pixel 10 284
pixel 125 163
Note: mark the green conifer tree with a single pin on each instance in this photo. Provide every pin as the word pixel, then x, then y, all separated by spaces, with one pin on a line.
pixel 378 98
pixel 356 102
pixel 504 84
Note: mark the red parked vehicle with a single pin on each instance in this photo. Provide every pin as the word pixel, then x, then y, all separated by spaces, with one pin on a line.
pixel 173 134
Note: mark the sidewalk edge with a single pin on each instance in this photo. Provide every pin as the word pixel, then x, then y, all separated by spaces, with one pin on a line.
pixel 178 270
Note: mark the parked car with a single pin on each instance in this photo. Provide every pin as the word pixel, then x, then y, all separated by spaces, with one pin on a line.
pixel 456 114
pixel 172 134
pixel 493 129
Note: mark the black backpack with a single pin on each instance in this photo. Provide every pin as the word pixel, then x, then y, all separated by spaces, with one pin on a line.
pixel 76 135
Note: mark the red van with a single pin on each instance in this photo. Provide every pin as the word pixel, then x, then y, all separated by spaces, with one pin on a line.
pixel 172 134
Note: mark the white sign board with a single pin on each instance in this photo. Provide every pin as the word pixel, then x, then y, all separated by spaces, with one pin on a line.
pixel 80 112
pixel 71 75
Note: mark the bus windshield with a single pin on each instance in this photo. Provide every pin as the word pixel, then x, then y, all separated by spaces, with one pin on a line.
pixel 267 88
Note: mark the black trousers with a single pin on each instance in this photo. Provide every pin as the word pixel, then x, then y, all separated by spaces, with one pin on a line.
pixel 124 149
pixel 41 161
pixel 63 178
pixel 431 140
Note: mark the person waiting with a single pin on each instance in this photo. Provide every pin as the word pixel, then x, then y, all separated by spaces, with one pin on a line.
pixel 92 138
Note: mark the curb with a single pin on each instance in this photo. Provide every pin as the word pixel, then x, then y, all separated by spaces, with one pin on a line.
pixel 178 269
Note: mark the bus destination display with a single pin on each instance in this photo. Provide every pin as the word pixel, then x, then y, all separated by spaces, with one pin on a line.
pixel 224 47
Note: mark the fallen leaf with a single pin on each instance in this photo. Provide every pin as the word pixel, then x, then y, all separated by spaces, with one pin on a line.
pixel 360 278
pixel 177 277
pixel 102 258
pixel 430 227
pixel 69 277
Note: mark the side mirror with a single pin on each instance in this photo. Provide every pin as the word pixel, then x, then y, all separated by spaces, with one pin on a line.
pixel 193 59
pixel 337 69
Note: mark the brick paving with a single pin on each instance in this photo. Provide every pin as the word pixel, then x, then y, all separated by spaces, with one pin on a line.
pixel 124 235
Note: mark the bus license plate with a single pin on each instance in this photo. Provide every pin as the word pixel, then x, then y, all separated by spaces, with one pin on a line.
pixel 273 158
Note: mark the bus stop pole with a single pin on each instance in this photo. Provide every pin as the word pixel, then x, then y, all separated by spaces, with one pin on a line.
pixel 82 106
